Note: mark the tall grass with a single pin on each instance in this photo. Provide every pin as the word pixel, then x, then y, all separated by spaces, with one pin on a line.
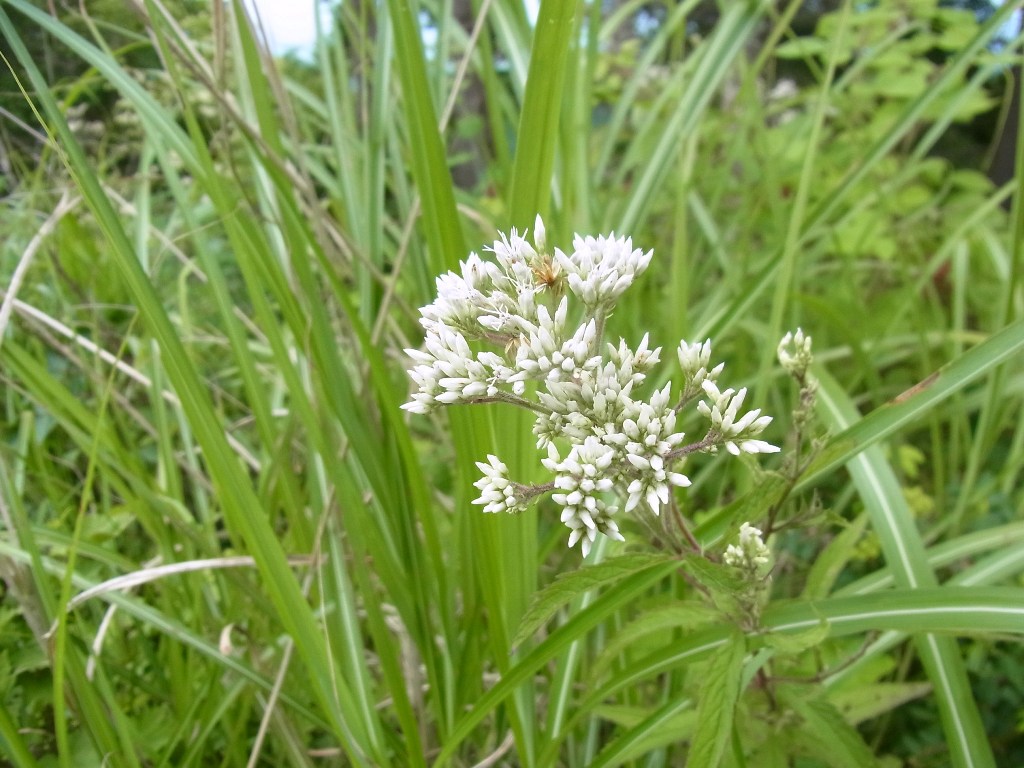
pixel 224 543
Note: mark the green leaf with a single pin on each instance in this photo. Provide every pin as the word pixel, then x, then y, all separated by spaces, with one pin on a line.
pixel 427 155
pixel 793 644
pixel 953 610
pixel 957 27
pixel 903 85
pixel 244 515
pixel 717 707
pixel 570 585
pixel 771 487
pixel 668 724
pixel 918 400
pixel 719 578
pixel 537 136
pixel 904 552
pixel 865 702
pixel 802 48
pixel 821 217
pixel 714 61
pixel 826 734
pixel 12 742
pixel 678 616
pixel 611 600
pixel 829 564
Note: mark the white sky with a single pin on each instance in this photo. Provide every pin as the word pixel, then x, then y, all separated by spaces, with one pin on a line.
pixel 291 24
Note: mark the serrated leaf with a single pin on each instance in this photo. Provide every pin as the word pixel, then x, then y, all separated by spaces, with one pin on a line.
pixel 770 489
pixel 718 696
pixel 965 106
pixel 870 701
pixel 905 85
pixel 622 715
pixel 827 736
pixel 715 576
pixel 798 642
pixel 771 754
pixel 567 586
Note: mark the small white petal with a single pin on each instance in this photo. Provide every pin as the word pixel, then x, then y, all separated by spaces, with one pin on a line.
pixel 678 479
pixel 653 501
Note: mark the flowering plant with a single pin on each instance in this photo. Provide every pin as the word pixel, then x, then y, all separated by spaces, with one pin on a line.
pixel 599 435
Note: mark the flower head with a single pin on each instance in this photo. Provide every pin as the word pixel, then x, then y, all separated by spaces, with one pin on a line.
pixel 544 351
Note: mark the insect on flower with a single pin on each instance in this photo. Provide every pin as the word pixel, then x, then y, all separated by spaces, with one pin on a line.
pixel 548 275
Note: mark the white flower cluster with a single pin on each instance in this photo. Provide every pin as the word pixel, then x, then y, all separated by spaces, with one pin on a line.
pixel 600 269
pixel 582 394
pixel 580 479
pixel 750 554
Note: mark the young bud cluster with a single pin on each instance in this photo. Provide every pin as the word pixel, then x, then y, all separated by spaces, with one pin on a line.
pixel 583 391
pixel 750 554
pixel 794 353
pixel 751 559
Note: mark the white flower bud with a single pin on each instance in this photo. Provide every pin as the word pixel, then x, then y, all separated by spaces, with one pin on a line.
pixel 539 234
pixel 794 352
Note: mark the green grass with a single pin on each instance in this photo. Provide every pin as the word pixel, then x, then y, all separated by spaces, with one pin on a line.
pixel 202 370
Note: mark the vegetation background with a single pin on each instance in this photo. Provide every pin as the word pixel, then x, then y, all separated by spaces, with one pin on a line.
pixel 225 545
